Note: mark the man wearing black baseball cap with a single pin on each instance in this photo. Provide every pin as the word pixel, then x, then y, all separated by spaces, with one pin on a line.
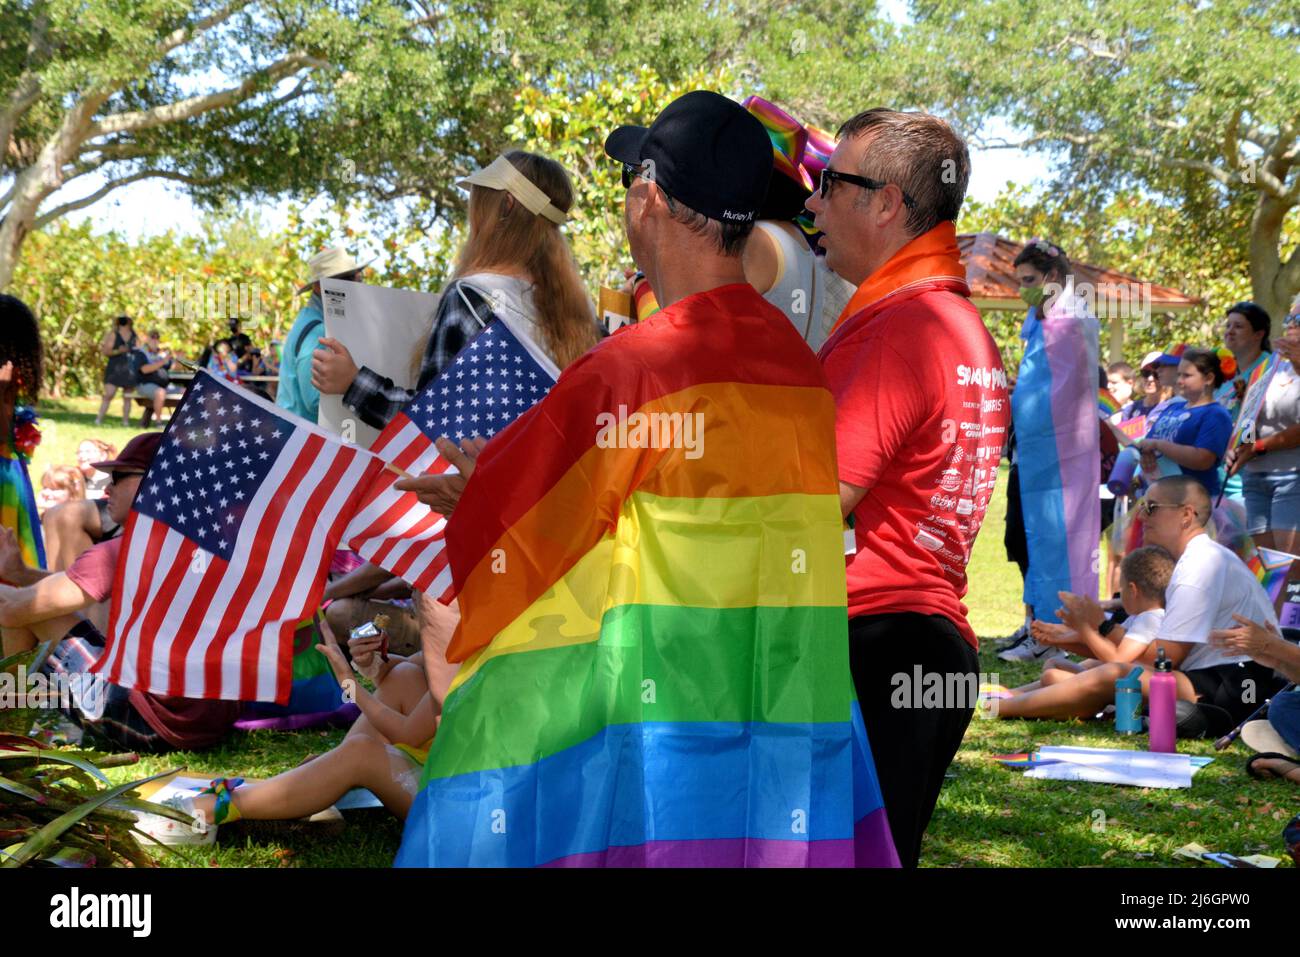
pixel 593 515
pixel 696 179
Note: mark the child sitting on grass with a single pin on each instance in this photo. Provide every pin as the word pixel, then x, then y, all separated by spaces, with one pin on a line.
pixel 383 751
pixel 1144 576
pixel 1209 585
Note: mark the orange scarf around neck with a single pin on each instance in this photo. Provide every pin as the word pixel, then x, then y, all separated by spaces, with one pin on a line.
pixel 932 255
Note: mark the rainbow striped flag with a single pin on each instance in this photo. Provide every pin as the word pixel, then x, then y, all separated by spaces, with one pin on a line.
pixel 1243 429
pixel 18 507
pixel 1107 404
pixel 1271 567
pixel 649 566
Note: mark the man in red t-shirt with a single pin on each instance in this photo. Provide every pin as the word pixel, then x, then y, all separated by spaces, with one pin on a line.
pixel 921 417
pixel 37 606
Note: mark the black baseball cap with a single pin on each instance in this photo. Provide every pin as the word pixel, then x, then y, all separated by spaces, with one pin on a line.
pixel 709 152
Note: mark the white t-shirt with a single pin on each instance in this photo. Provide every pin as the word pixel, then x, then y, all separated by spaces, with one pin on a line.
pixel 1209 585
pixel 1144 626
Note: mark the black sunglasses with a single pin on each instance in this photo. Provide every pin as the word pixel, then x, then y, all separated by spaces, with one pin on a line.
pixel 1146 507
pixel 830 176
pixel 118 477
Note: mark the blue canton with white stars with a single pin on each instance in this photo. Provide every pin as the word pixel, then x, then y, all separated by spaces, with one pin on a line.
pixel 209 467
pixel 491 383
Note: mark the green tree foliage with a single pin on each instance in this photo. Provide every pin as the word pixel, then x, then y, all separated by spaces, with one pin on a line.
pixel 1196 102
pixel 380 101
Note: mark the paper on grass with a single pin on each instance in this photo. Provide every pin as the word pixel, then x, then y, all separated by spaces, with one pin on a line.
pixel 385 330
pixel 1148 769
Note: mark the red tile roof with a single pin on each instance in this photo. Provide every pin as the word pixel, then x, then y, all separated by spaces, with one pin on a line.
pixel 988 259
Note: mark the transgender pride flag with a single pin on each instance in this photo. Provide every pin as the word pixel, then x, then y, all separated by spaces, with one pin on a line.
pixel 1054 410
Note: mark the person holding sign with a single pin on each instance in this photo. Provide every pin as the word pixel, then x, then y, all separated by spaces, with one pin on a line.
pixel 297 392
pixel 515 259
pixel 1269 462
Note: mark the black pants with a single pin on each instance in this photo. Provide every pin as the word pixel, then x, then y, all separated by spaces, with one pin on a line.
pixel 1013 534
pixel 912 746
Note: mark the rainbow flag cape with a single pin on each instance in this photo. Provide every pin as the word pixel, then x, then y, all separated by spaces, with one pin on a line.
pixel 654 632
pixel 1058 451
pixel 18 505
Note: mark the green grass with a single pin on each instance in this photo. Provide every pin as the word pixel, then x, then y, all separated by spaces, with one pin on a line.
pixel 987 815
pixel 65 423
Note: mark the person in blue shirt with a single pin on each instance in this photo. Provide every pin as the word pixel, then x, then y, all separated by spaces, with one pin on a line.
pixel 296 393
pixel 1191 432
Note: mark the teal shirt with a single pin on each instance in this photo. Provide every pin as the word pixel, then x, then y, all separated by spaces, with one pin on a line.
pixel 296 392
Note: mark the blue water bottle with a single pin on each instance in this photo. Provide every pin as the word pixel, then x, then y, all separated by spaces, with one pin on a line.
pixel 1128 703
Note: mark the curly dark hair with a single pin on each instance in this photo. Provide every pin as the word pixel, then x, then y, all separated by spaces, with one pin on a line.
pixel 21 345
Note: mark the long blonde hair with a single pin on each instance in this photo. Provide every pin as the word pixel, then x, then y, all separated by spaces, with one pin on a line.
pixel 524 240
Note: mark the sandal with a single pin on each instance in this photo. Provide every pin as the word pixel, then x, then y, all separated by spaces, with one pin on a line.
pixel 1264 774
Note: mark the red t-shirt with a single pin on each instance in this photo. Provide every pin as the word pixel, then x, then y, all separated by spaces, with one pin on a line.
pixel 94 569
pixel 921 416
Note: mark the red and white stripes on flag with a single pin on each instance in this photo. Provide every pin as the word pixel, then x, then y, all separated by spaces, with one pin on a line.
pixel 492 381
pixel 227 547
pixel 393 529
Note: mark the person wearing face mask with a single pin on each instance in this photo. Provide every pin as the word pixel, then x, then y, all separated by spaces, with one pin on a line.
pixel 1054 410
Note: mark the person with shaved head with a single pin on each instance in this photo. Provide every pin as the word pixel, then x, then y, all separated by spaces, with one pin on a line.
pixel 1210 585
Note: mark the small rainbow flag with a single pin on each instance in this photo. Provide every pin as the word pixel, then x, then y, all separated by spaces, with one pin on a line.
pixel 644 303
pixel 1107 404
pixel 1271 567
pixel 653 636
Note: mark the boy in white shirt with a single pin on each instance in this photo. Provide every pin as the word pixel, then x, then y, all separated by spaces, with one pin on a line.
pixel 1208 586
pixel 1145 574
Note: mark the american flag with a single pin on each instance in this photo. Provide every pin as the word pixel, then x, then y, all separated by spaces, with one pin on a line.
pixel 490 383
pixel 227 546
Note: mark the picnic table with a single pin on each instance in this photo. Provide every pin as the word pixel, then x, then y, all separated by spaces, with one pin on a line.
pixel 268 383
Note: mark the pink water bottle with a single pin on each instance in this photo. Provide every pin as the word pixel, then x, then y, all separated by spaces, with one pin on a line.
pixel 1162 695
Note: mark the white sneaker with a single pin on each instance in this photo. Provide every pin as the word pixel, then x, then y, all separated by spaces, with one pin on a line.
pixel 169 831
pixel 1020 635
pixel 1030 650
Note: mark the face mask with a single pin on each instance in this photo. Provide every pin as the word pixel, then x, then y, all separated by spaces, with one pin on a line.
pixel 1032 295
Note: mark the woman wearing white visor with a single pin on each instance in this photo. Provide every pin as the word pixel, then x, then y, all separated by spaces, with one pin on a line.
pixel 515 258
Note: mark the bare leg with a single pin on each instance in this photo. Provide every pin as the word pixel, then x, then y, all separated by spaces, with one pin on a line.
pixel 1082 695
pixel 159 400
pixel 15 640
pixel 68 529
pixel 1288 540
pixel 1266 540
pixel 437 625
pixel 110 390
pixel 359 761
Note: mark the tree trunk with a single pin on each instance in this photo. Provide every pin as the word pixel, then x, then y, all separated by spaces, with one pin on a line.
pixel 1269 279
